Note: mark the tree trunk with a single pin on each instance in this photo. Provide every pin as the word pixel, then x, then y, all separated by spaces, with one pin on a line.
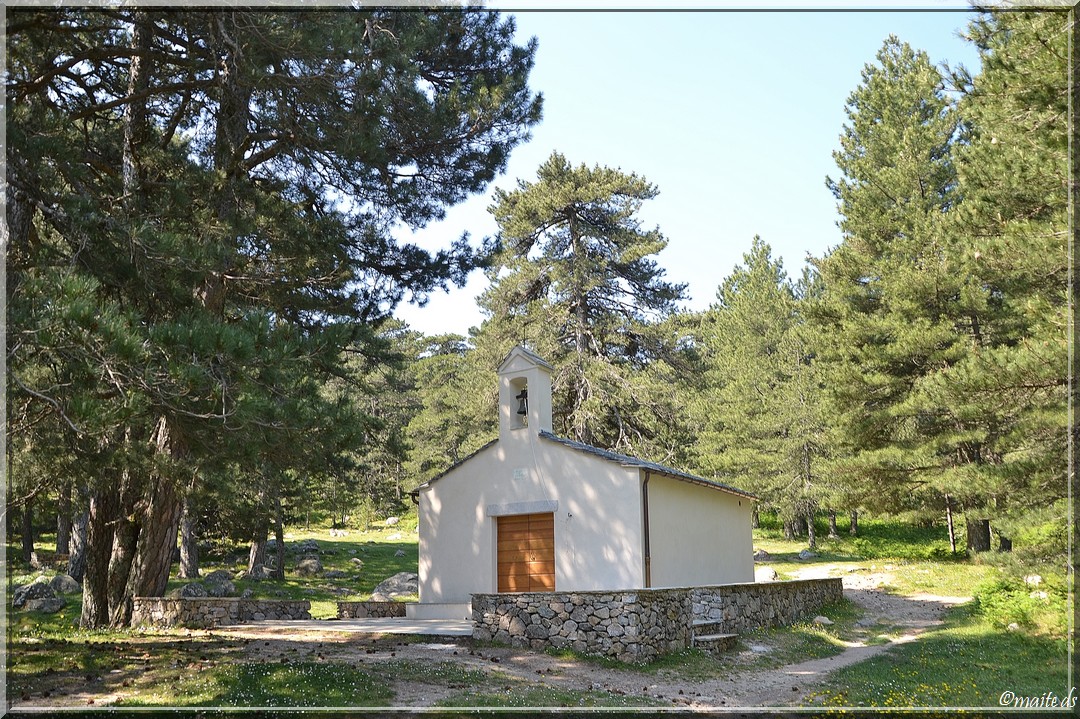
pixel 798 525
pixel 77 556
pixel 155 548
pixel 789 530
pixel 29 555
pixel 104 508
pixel 145 538
pixel 63 521
pixel 279 538
pixel 853 530
pixel 1004 543
pixel 978 535
pixel 811 535
pixel 949 522
pixel 125 538
pixel 755 520
pixel 189 542
pixel 257 551
pixel 833 533
pixel 125 530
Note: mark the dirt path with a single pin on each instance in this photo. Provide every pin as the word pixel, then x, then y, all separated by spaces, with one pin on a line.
pixel 900 619
pixel 738 681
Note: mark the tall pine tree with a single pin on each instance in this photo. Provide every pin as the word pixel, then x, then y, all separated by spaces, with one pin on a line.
pixel 759 417
pixel 577 278
pixel 201 215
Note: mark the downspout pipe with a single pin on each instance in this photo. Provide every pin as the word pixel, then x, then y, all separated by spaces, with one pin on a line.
pixel 645 513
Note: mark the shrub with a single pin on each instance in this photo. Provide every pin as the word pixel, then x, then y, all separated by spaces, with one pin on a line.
pixel 1005 600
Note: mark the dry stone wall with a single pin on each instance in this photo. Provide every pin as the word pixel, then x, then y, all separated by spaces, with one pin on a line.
pixel 736 608
pixel 203 613
pixel 370 610
pixel 641 625
pixel 633 626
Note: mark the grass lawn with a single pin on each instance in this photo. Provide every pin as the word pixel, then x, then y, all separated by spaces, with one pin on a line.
pixel 302 684
pixel 377 548
pixel 968 663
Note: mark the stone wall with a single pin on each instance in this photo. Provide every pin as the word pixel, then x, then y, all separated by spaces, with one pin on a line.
pixel 641 625
pixel 739 608
pixel 206 612
pixel 632 626
pixel 370 610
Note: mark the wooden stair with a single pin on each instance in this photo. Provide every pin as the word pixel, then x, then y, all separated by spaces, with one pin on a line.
pixel 706 635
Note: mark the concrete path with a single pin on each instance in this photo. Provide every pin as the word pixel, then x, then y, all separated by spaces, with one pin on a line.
pixel 394 625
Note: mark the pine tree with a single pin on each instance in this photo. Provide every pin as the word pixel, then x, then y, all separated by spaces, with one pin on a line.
pixel 888 305
pixel 947 317
pixel 758 417
pixel 201 215
pixel 458 405
pixel 1006 396
pixel 576 276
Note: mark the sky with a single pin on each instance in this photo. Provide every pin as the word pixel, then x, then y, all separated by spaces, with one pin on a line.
pixel 734 116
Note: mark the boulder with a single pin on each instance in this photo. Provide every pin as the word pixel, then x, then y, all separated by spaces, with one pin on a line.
pixel 63 584
pixel 48 605
pixel 358 562
pixel 333 574
pixel 761 556
pixel 394 537
pixel 399 553
pixel 38 589
pixel 257 573
pixel 391 521
pixel 309 567
pixel 806 554
pixel 1033 580
pixel 247 593
pixel 193 590
pixel 402 584
pixel 765 574
pixel 221 588
pixel 308 546
pixel 823 620
pixel 218 576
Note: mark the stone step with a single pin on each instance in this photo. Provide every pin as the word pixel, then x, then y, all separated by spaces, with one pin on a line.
pixel 715 642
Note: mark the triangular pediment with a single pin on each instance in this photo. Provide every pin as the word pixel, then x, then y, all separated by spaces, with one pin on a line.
pixel 520 359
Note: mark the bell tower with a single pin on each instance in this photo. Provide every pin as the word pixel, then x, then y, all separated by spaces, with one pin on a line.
pixel 524 395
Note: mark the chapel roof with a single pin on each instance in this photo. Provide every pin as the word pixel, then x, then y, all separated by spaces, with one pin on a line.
pixel 621 459
pixel 628 461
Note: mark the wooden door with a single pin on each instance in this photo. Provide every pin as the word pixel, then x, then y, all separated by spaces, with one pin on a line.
pixel 526 553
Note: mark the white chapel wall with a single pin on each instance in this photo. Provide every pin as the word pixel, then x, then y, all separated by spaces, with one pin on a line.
pixel 698 536
pixel 597 520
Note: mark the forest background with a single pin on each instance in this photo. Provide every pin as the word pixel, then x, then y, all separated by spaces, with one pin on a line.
pixel 202 273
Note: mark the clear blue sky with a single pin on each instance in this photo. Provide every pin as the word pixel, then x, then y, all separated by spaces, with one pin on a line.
pixel 732 115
